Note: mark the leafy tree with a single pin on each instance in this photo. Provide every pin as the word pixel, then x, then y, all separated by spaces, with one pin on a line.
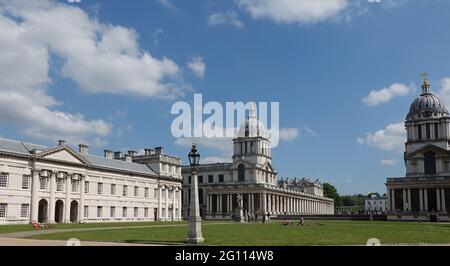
pixel 330 191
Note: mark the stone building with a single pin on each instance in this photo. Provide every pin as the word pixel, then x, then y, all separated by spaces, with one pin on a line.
pixel 425 190
pixel 375 204
pixel 61 185
pixel 251 174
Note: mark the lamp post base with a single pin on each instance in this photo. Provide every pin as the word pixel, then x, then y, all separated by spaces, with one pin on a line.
pixel 196 240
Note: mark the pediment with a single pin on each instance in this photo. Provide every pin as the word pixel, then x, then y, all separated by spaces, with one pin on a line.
pixel 430 147
pixel 63 155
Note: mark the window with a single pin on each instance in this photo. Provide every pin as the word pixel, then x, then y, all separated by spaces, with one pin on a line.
pixel 221 180
pixel 146 212
pixel 86 211
pixel 3 208
pixel 100 188
pixel 24 209
pixel 428 130
pixel 146 192
pixel 156 192
pixel 125 190
pixel 99 211
pixel 241 172
pixel 3 180
pixel 200 179
pixel 124 212
pixel 136 212
pixel 113 212
pixel 59 185
pixel 189 179
pixel 113 189
pixel 74 186
pixel 430 163
pixel 419 132
pixel 136 191
pixel 43 183
pixel 25 182
pixel 86 187
pixel 210 179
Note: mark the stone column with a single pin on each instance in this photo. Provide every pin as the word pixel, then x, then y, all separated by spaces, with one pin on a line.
pixel 67 203
pixel 438 199
pixel 393 199
pixel 159 202
pixel 51 212
pixel 444 208
pixel 421 199
pixel 166 213
pixel 35 196
pixel 264 204
pixel 180 204
pixel 173 204
pixel 388 194
pixel 425 207
pixel 409 200
pixel 81 207
pixel 220 203
pixel 405 206
pixel 195 221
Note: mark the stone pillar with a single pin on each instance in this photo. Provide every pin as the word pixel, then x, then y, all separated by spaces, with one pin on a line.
pixel 405 204
pixel 438 199
pixel 166 213
pixel 264 204
pixel 180 204
pixel 81 207
pixel 220 203
pixel 159 202
pixel 393 199
pixel 195 221
pixel 421 199
pixel 51 207
pixel 388 194
pixel 35 196
pixel 409 200
pixel 173 204
pixel 444 207
pixel 67 201
pixel 425 207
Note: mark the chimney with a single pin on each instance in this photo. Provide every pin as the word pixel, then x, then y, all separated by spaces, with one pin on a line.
pixel 108 154
pixel 149 152
pixel 159 150
pixel 62 143
pixel 132 153
pixel 118 155
pixel 128 158
pixel 84 149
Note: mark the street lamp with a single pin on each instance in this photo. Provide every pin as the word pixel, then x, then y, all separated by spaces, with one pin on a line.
pixel 195 221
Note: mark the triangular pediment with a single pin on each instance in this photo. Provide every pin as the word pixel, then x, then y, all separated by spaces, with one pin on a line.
pixel 63 154
pixel 428 147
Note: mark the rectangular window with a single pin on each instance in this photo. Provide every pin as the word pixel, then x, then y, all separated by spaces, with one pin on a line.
pixel 24 209
pixel 210 179
pixel 146 192
pixel 59 184
pixel 43 183
pixel 25 182
pixel 74 186
pixel 100 188
pixel 136 191
pixel 3 180
pixel 124 212
pixel 428 130
pixel 146 212
pixel 3 208
pixel 125 191
pixel 436 131
pixel 86 211
pixel 200 179
pixel 113 189
pixel 86 187
pixel 221 179
pixel 136 212
pixel 99 211
pixel 156 192
pixel 419 132
pixel 113 212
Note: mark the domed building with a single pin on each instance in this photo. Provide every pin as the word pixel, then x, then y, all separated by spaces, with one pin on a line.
pixel 424 193
pixel 252 175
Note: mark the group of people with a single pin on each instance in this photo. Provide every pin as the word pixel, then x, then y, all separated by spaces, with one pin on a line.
pixel 254 217
pixel 300 222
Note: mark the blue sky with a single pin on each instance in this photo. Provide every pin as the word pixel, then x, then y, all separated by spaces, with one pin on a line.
pixel 106 73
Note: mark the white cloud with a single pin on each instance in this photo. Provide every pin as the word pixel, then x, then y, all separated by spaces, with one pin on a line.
pixel 444 90
pixel 197 66
pixel 384 95
pixel 156 34
pixel 225 18
pixel 294 11
pixel 168 4
pixel 289 134
pixel 388 162
pixel 100 58
pixel 391 138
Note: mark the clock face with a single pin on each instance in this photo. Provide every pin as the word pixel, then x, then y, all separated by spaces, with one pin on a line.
pixel 427 113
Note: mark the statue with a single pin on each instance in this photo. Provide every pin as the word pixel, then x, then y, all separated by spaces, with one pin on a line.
pixel 239 201
pixel 239 212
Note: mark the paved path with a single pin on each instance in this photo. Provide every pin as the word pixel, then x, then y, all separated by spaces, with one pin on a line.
pixel 15 242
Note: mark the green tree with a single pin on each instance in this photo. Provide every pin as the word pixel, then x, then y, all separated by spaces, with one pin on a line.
pixel 330 191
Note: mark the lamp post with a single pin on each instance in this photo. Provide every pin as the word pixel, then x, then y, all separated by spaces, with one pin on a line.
pixel 195 221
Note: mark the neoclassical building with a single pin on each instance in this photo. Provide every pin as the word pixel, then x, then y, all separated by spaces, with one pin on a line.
pixel 425 190
pixel 61 185
pixel 252 175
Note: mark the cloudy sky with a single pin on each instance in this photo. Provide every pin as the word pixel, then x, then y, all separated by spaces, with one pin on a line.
pixel 106 73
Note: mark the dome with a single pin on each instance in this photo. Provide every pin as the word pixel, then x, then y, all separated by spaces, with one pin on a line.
pixel 252 127
pixel 427 104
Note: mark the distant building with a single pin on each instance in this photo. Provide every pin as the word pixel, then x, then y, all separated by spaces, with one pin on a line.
pixel 425 190
pixel 60 185
pixel 375 204
pixel 252 174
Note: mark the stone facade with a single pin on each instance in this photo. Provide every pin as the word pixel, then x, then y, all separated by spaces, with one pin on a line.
pixel 425 190
pixel 252 175
pixel 61 185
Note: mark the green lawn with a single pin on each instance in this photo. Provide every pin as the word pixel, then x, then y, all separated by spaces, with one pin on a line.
pixel 275 234
pixel 27 227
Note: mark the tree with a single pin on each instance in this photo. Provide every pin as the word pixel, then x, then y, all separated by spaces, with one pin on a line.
pixel 330 191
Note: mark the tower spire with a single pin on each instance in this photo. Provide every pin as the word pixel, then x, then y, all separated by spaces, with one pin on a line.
pixel 426 83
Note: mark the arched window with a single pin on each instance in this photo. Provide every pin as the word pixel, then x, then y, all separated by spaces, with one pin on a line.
pixel 241 172
pixel 430 163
